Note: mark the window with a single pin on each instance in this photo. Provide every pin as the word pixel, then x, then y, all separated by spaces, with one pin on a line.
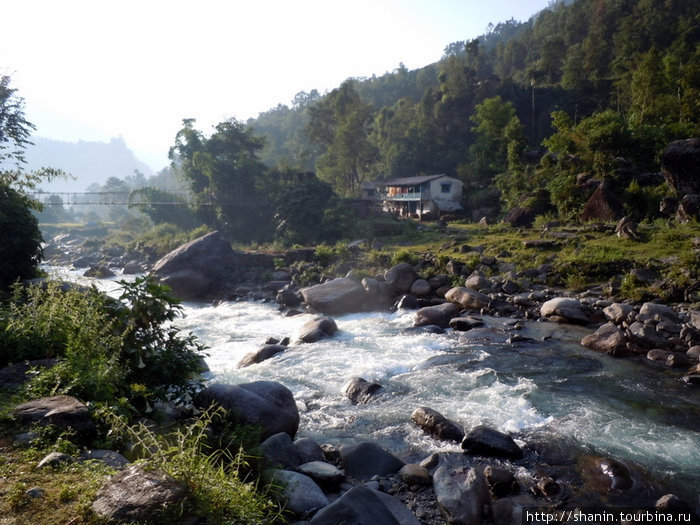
pixel 445 187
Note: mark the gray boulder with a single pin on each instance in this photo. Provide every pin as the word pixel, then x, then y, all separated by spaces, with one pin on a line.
pixel 135 494
pixel 264 403
pixel 617 312
pixel 437 425
pixel 679 164
pixel 358 506
pixel 438 315
pixel 400 278
pixel 198 269
pixel 328 476
pixel 364 460
pixel 421 288
pixel 462 494
pixel 657 312
pixel 565 308
pixel 486 441
pixel 464 324
pixel 302 495
pixel 467 299
pixel 607 338
pixel 477 282
pixel 308 450
pixel 279 451
pixel 646 335
pixel 360 391
pixel 338 296
pixel 316 329
pixel 264 353
pixel 60 411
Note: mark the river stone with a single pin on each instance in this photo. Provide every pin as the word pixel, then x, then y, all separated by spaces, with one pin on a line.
pixel 338 296
pixel 264 353
pixel 316 329
pixel 657 312
pixel 329 477
pixel 437 425
pixel 646 335
pixel 464 324
pixel 358 506
pixel 421 288
pixel 400 278
pixel 135 494
pixel 658 355
pixel 365 459
pixel 617 312
pixel 462 494
pixel 197 269
pixel 61 411
pixel 486 441
pixel 467 299
pixel 500 480
pixel 438 315
pixel 679 164
pixel 604 474
pixel 397 508
pixel 308 450
pixel 567 307
pixel 477 282
pixel 413 474
pixel 607 338
pixel 407 302
pixel 110 458
pixel 265 403
pixel 279 451
pixel 360 391
pixel 302 495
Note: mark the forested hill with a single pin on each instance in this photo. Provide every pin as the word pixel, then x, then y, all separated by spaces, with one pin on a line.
pixel 623 75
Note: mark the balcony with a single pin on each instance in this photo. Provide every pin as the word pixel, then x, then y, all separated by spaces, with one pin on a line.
pixel 408 196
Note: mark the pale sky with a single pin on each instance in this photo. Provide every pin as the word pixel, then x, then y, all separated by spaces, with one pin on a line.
pixel 97 69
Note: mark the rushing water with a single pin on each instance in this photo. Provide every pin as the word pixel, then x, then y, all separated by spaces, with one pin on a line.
pixel 547 384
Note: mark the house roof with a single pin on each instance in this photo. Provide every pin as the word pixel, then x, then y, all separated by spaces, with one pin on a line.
pixel 413 181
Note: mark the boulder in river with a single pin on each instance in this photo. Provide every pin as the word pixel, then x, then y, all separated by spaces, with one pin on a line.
pixel 438 315
pixel 467 299
pixel 565 309
pixel 365 459
pixel 358 506
pixel 486 441
pixel 437 425
pixel 607 338
pixel 462 494
pixel 262 354
pixel 338 296
pixel 316 329
pixel 265 403
pixel 400 278
pixel 360 391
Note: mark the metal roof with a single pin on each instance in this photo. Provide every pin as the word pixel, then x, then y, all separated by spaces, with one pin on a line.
pixel 413 181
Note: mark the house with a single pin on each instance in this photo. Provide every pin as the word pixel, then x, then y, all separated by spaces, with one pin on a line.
pixel 425 195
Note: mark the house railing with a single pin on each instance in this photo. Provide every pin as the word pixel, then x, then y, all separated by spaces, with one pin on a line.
pixel 408 196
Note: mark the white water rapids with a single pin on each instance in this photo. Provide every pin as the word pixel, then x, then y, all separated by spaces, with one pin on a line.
pixel 549 385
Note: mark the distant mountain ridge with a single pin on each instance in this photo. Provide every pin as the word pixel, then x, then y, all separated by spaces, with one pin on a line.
pixel 87 161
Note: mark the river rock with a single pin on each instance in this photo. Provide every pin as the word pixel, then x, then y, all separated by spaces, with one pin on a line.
pixel 607 338
pixel 567 308
pixel 135 494
pixel 421 288
pixel 467 299
pixel 365 459
pixel 264 403
pixel 308 450
pixel 646 335
pixel 197 269
pixel 327 476
pixel 60 411
pixel 279 451
pixel 302 495
pixel 438 315
pixel 486 441
pixel 657 312
pixel 358 506
pixel 477 282
pixel 500 480
pixel 400 278
pixel 462 494
pixel 437 425
pixel 413 474
pixel 360 391
pixel 617 312
pixel 464 324
pixel 338 296
pixel 604 474
pixel 316 329
pixel 264 353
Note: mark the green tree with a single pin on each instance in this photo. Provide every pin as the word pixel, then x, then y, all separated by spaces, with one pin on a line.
pixel 340 124
pixel 226 177
pixel 489 151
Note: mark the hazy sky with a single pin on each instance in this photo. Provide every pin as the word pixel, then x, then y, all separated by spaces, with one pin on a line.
pixel 97 69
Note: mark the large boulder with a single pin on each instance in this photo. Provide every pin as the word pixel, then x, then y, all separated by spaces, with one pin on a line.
pixel 400 278
pixel 607 338
pixel 316 329
pixel 135 494
pixel 437 425
pixel 260 355
pixel 603 205
pixel 486 441
pixel 60 411
pixel 358 506
pixel 565 309
pixel 438 315
pixel 462 494
pixel 266 404
pixel 467 298
pixel 365 459
pixel 198 269
pixel 301 494
pixel 338 296
pixel 360 391
pixel 680 163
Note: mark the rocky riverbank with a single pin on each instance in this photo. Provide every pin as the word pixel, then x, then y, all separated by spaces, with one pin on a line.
pixel 496 476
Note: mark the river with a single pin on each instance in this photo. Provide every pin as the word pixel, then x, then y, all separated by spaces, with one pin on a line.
pixel 547 384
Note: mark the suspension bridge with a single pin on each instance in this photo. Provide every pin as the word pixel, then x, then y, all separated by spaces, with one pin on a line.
pixel 140 198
